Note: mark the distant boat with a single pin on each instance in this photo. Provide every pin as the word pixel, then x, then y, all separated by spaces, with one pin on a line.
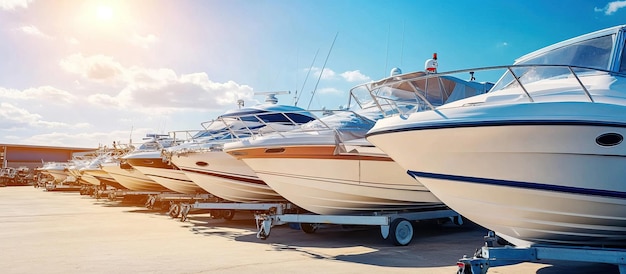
pixel 131 178
pixel 55 169
pixel 207 165
pixel 155 167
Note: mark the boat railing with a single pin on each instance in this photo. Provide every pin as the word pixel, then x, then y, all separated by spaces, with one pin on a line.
pixel 186 135
pixel 429 91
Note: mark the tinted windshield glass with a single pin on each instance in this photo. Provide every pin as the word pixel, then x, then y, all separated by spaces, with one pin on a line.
pixel 593 53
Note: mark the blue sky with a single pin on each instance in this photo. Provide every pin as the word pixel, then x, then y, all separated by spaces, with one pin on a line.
pixel 89 72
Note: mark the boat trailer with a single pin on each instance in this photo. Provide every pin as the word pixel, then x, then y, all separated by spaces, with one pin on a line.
pixel 226 210
pixel 61 187
pixel 395 226
pixel 491 256
pixel 151 199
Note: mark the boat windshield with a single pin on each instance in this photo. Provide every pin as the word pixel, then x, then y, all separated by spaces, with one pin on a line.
pixel 593 53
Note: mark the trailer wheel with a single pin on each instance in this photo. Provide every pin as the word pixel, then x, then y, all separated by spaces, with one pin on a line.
pixel 216 213
pixel 401 232
pixel 264 227
pixel 174 210
pixel 228 214
pixel 309 228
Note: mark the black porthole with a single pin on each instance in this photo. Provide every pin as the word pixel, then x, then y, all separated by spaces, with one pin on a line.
pixel 200 163
pixel 609 139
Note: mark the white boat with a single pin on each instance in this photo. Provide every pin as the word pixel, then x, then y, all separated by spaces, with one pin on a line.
pixel 74 165
pixel 204 162
pixel 133 179
pixel 151 164
pixel 93 174
pixel 224 176
pixel 327 167
pixel 55 169
pixel 540 158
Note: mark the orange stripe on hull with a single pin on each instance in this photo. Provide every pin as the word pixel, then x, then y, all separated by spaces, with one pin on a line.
pixel 316 152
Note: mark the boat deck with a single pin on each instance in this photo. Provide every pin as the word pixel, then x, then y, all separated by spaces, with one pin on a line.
pixel 64 232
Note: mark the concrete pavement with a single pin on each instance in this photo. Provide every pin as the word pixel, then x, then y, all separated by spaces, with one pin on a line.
pixel 57 232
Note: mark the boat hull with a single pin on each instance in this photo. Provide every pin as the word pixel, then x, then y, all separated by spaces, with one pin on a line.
pixel 59 175
pixel 103 177
pixel 173 179
pixel 88 179
pixel 316 179
pixel 224 176
pixel 533 182
pixel 133 179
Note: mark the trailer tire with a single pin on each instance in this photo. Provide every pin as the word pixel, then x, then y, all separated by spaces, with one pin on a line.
pixel 174 210
pixel 401 232
pixel 309 228
pixel 216 213
pixel 263 236
pixel 228 214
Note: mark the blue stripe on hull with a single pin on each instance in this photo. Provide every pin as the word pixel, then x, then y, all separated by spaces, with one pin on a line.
pixel 517 184
pixel 444 125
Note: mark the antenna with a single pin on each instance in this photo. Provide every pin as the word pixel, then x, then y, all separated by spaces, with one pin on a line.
pixel 402 44
pixel 387 50
pixel 307 77
pixel 322 72
pixel 130 136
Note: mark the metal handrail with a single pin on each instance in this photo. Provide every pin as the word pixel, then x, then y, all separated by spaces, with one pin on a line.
pixel 396 80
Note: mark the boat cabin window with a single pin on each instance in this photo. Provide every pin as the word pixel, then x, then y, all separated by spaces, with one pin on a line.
pixel 592 53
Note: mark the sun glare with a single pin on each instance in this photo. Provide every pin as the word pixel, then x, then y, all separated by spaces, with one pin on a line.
pixel 104 13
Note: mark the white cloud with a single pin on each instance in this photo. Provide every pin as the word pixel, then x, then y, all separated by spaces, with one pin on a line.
pixel 330 91
pixel 12 117
pixel 33 31
pixel 327 74
pixel 143 41
pixel 611 7
pixel 72 41
pixel 154 88
pixel 12 4
pixel 47 94
pixel 160 88
pixel 96 67
pixel 83 139
pixel 355 76
pixel 103 100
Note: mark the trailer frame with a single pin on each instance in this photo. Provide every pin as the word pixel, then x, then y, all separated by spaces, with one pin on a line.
pixel 492 256
pixel 396 226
